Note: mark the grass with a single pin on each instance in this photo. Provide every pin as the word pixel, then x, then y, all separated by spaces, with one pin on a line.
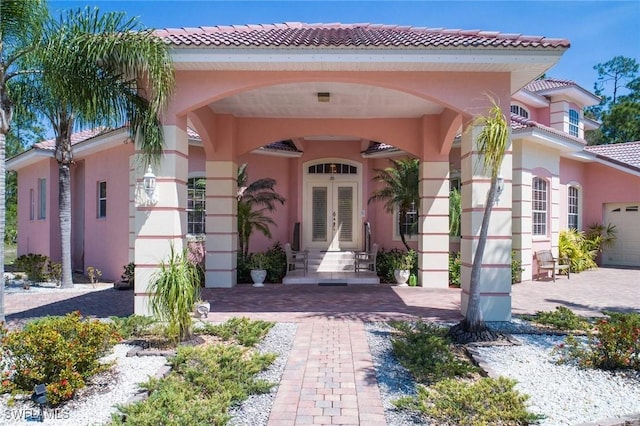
pixel 242 331
pixel 10 254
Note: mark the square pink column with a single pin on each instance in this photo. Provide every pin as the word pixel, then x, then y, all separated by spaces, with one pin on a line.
pixel 160 222
pixel 433 234
pixel 495 274
pixel 222 224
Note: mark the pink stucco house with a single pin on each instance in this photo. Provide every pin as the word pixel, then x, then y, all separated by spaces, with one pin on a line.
pixel 318 108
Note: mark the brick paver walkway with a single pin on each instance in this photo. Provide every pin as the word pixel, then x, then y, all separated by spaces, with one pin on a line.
pixel 329 377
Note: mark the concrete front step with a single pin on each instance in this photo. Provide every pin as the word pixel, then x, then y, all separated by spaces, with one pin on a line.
pixel 331 261
pixel 331 278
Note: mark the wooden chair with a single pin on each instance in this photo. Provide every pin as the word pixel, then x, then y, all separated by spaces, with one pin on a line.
pixel 366 261
pixel 296 258
pixel 546 262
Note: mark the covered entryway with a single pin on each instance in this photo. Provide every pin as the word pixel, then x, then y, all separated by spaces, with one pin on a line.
pixel 626 248
pixel 332 200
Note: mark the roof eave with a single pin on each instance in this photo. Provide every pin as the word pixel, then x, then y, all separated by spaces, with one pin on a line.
pixel 592 157
pixel 27 158
pixel 548 139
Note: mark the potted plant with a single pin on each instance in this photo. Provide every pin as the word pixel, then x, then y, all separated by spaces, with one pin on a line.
pixel 402 264
pixel 258 265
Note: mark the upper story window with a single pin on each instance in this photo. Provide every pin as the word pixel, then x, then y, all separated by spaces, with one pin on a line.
pixel 539 206
pixel 572 208
pixel 574 123
pixel 102 199
pixel 518 110
pixel 196 211
pixel 42 198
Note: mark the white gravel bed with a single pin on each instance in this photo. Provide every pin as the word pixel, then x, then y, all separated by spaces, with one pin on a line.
pixel 255 410
pixel 565 394
pixel 95 409
pixel 13 285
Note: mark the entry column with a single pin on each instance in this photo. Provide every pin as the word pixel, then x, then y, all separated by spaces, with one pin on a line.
pixel 495 274
pixel 222 224
pixel 433 238
pixel 160 217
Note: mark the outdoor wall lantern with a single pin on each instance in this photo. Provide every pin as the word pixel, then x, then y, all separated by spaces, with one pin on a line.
pixel 499 189
pixel 149 182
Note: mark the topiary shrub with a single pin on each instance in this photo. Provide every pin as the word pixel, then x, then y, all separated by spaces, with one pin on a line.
pixel 61 352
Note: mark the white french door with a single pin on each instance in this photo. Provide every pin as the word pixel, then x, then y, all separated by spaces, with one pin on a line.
pixel 331 213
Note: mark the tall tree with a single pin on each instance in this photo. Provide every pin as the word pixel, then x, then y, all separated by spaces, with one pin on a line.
pixel 255 200
pixel 618 86
pixel 492 143
pixel 98 69
pixel 399 191
pixel 20 25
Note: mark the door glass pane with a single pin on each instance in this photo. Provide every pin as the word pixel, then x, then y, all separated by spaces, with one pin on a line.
pixel 319 213
pixel 345 213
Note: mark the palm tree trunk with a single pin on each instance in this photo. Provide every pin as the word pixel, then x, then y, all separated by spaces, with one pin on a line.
pixel 64 201
pixel 2 220
pixel 473 328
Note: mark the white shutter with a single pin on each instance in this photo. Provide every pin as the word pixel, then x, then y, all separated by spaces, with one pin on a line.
pixel 345 213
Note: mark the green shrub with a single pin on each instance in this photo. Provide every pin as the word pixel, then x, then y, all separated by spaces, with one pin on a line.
pixel 485 402
pixel 276 263
pixel 203 384
pixel 242 330
pixel 516 268
pixel 243 270
pixel 34 265
pixel 615 344
pixel 562 318
pixel 389 260
pixel 54 272
pixel 61 352
pixel 175 288
pixel 133 325
pixel 129 274
pixel 574 246
pixel 454 269
pixel 426 352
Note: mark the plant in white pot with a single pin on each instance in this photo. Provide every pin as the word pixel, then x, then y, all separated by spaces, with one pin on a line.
pixel 402 265
pixel 258 267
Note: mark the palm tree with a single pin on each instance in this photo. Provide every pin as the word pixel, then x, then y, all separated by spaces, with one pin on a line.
pixel 20 25
pixel 254 201
pixel 399 191
pixel 492 144
pixel 98 69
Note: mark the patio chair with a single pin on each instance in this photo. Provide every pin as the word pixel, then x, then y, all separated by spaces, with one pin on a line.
pixel 366 261
pixel 546 262
pixel 296 258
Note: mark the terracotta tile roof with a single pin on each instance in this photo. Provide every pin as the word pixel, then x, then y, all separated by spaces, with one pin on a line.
pixel 376 147
pixel 547 84
pixel 295 34
pixel 76 137
pixel 519 123
pixel 625 153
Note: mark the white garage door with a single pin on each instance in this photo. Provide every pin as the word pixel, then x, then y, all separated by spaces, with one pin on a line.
pixel 626 218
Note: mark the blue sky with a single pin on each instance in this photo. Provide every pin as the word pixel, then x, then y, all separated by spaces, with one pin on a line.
pixel 598 30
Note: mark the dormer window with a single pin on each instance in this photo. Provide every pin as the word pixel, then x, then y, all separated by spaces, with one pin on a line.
pixel 518 110
pixel 574 123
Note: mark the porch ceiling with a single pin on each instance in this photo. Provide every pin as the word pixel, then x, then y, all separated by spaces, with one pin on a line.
pixel 348 100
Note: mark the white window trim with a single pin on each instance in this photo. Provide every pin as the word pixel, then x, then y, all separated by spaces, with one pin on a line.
pixel 578 187
pixel 546 211
pixel 198 236
pixel 42 199
pixel 100 214
pixel 521 108
pixel 396 228
pixel 576 125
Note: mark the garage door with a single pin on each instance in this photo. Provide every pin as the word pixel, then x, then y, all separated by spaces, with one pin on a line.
pixel 626 218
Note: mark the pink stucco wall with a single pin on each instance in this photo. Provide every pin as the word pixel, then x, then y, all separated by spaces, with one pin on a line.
pixel 107 239
pixel 607 185
pixel 38 235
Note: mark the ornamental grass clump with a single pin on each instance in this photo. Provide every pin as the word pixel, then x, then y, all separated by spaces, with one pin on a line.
pixel 61 352
pixel 175 288
pixel 243 331
pixel 562 318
